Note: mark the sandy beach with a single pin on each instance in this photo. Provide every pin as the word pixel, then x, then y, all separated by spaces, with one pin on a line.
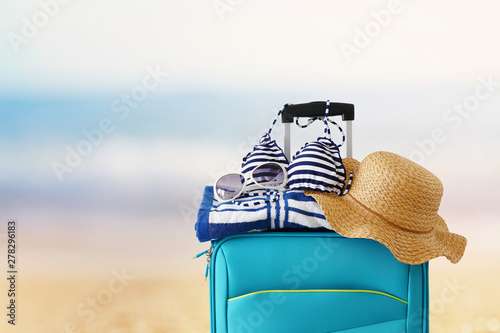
pixel 463 299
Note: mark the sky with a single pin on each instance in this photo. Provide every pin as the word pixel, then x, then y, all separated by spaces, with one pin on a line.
pixel 162 96
pixel 96 45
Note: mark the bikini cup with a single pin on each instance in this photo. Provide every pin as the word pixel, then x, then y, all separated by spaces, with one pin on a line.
pixel 316 166
pixel 266 151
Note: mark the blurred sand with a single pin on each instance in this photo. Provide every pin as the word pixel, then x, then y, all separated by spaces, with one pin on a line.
pixel 463 298
pixel 144 306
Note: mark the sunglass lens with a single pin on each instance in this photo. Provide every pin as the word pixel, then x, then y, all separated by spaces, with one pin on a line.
pixel 229 186
pixel 269 174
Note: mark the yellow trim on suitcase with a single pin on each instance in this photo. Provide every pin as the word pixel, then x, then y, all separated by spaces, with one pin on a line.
pixel 319 291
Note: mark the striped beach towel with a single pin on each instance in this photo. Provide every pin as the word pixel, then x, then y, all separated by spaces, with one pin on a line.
pixel 268 211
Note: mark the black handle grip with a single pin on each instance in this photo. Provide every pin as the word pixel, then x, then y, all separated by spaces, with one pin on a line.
pixel 317 109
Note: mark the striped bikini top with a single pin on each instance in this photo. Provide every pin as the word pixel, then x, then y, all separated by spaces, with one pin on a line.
pixel 316 166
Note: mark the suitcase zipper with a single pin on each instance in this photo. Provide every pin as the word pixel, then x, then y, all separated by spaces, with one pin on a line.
pixel 209 257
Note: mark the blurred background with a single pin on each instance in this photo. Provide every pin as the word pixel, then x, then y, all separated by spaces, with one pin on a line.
pixel 115 115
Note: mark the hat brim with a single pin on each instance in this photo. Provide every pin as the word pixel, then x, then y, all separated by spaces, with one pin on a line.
pixel 350 219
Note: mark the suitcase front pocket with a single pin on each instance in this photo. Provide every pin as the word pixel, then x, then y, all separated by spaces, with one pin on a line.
pixel 318 310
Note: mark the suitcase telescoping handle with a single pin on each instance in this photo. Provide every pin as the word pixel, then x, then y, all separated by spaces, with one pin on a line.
pixel 317 109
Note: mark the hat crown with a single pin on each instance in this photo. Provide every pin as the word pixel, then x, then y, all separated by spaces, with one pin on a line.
pixel 398 190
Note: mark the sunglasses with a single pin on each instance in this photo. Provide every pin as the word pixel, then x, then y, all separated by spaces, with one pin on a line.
pixel 270 175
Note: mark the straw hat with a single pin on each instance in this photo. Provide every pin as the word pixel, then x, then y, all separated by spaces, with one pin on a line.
pixel 394 201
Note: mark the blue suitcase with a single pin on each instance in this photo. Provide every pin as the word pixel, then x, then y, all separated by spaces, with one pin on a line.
pixel 314 282
pixel 311 281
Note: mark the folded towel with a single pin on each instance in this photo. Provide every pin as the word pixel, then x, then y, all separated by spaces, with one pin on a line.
pixel 258 211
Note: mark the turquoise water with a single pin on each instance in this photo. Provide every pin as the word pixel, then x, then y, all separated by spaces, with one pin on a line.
pixel 151 178
pixel 195 115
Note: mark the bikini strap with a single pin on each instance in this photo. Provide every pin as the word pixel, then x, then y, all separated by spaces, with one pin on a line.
pixel 309 122
pixel 327 128
pixel 276 119
pixel 349 182
pixel 325 120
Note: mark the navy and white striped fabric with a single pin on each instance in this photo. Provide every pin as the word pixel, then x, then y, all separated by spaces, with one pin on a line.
pixel 313 119
pixel 318 165
pixel 266 151
pixel 292 209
